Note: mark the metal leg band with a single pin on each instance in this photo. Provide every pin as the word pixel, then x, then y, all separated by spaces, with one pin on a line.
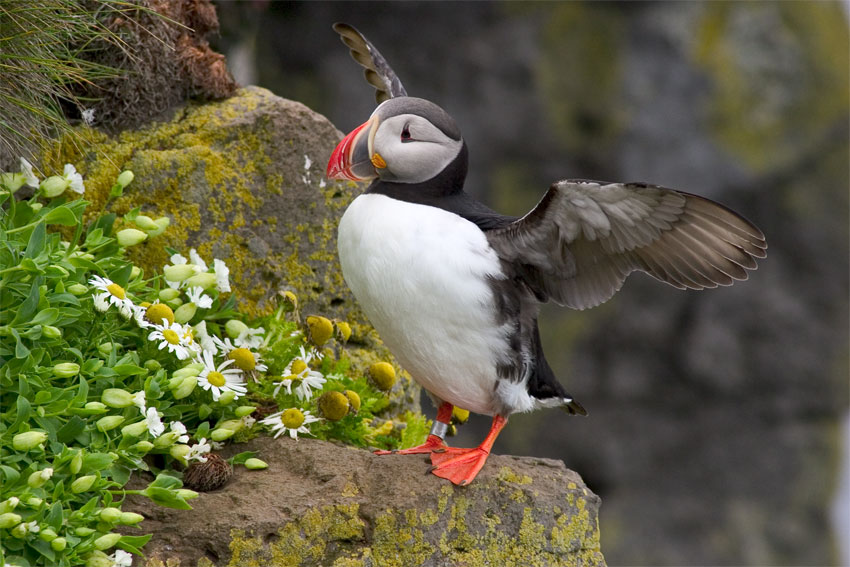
pixel 439 429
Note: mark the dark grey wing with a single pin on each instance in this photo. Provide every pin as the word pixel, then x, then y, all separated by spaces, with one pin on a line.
pixel 377 70
pixel 579 243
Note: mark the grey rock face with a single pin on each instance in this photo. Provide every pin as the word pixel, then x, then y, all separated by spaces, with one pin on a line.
pixel 321 504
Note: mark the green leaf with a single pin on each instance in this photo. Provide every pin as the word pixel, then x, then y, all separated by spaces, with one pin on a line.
pixel 128 370
pixel 104 223
pixel 131 215
pixel 61 215
pixel 203 430
pixel 87 265
pixel 240 458
pixel 21 351
pixel 11 474
pixel 36 241
pixel 29 266
pixel 122 275
pixel 119 474
pixel 67 432
pixel 82 392
pixel 166 481
pixel 30 304
pixel 24 410
pixel 96 462
pixel 167 498
pixel 55 516
pixel 133 544
pixel 43 548
pixel 94 237
pixel 46 317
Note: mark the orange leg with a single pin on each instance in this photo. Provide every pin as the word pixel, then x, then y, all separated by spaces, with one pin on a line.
pixel 462 465
pixel 434 442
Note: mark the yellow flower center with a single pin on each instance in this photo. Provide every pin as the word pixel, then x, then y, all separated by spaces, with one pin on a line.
pixel 292 418
pixel 216 379
pixel 116 290
pixel 298 366
pixel 171 336
pixel 243 357
pixel 295 379
pixel 159 311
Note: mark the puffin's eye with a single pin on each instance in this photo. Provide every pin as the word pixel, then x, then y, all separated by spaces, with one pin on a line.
pixel 405 134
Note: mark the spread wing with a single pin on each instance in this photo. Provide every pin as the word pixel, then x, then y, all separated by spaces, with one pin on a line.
pixel 579 243
pixel 376 69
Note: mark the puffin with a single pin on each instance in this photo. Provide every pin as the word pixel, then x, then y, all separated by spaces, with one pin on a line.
pixel 454 288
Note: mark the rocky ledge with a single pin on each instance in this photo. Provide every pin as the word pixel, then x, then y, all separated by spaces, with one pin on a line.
pixel 321 504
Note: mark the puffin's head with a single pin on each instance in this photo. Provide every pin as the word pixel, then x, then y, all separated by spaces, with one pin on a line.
pixel 406 140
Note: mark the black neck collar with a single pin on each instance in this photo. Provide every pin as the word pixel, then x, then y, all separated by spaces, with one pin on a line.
pixel 445 191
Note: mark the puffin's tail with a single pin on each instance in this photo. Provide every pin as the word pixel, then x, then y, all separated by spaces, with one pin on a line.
pixel 572 407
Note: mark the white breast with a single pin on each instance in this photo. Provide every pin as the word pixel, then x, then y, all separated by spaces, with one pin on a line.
pixel 420 274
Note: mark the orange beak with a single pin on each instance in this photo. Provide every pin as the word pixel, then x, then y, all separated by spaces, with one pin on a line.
pixel 351 159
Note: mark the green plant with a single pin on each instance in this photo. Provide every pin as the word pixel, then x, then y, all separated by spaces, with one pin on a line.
pixel 106 371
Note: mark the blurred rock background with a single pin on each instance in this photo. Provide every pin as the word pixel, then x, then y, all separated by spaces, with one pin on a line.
pixel 714 434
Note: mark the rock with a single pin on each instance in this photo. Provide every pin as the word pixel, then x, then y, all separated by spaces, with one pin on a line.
pixel 242 180
pixel 321 504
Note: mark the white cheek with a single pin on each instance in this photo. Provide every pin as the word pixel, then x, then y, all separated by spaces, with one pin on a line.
pixel 414 162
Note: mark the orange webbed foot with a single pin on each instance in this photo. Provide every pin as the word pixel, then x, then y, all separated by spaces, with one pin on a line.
pixel 460 466
pixel 432 444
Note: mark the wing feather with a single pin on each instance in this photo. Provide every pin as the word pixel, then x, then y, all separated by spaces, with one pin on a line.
pixel 578 245
pixel 378 72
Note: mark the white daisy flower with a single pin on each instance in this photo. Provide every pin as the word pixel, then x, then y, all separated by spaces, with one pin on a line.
pixel 154 423
pixel 179 429
pixel 222 275
pixel 297 367
pixel 194 258
pixel 126 309
pixel 248 421
pixel 75 179
pixel 304 384
pixel 196 295
pixel 312 380
pixel 198 451
pixel 139 313
pixel 220 378
pixel 204 339
pixel 100 302
pixel 246 359
pixel 292 421
pixel 121 558
pixel 175 337
pixel 178 259
pixel 250 338
pixel 113 294
pixel 224 345
pixel 30 180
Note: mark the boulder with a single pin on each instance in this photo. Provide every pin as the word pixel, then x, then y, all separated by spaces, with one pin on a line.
pixel 241 180
pixel 321 504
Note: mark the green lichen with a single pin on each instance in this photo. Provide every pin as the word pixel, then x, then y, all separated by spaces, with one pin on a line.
pixel 306 541
pixel 506 474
